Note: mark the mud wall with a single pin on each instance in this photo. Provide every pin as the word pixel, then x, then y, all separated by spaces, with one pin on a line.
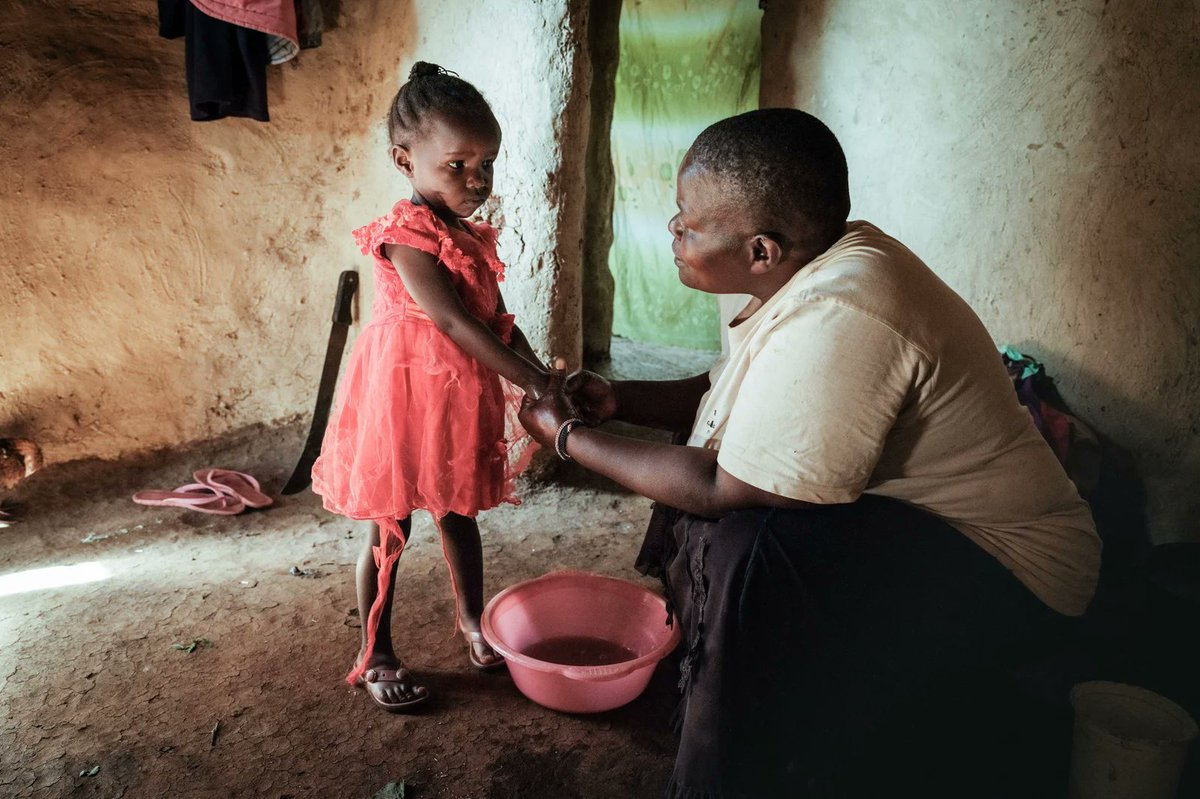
pixel 1041 157
pixel 163 281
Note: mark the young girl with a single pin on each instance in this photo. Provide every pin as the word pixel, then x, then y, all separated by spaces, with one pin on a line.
pixel 423 419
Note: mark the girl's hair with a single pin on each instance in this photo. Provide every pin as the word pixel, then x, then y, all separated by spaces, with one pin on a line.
pixel 430 91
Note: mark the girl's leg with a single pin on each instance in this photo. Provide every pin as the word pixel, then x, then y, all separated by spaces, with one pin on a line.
pixel 382 655
pixel 464 556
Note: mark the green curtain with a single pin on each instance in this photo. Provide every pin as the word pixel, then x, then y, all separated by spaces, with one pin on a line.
pixel 684 65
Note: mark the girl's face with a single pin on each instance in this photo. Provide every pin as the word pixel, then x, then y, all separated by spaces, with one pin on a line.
pixel 450 164
pixel 709 249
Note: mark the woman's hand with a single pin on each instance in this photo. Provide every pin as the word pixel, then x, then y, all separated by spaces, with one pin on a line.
pixel 541 417
pixel 592 395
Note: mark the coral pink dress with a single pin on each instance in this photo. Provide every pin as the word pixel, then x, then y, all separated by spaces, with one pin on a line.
pixel 419 423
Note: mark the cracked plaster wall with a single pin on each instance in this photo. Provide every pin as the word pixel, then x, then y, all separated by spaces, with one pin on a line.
pixel 1042 158
pixel 163 281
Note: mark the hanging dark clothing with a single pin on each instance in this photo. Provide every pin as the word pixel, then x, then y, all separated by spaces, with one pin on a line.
pixel 226 64
pixel 310 23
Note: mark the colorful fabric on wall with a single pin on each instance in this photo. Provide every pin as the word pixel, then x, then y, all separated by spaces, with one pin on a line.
pixel 1074 443
pixel 684 65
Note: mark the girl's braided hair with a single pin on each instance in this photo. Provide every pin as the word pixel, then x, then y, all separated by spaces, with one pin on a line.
pixel 432 90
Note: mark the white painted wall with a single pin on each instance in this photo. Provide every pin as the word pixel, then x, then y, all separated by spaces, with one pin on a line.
pixel 1043 158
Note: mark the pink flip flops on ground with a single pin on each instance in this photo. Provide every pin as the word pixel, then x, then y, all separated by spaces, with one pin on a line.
pixel 218 491
pixel 239 484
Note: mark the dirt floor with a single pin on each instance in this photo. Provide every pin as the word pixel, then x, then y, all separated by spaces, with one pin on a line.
pixel 102 697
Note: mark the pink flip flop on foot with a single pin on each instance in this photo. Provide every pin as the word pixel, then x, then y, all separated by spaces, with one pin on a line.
pixel 239 484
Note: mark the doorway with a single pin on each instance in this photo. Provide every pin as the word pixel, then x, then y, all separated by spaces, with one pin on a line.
pixel 683 65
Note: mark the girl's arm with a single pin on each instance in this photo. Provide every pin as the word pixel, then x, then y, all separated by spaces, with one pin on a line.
pixel 518 343
pixel 431 288
pixel 687 478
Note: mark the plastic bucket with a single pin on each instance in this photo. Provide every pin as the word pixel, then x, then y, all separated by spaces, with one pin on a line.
pixel 1129 743
pixel 574 603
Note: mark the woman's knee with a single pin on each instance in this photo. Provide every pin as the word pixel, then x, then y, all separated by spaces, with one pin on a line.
pixel 709 576
pixel 728 541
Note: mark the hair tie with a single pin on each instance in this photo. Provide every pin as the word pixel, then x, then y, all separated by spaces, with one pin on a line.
pixel 424 69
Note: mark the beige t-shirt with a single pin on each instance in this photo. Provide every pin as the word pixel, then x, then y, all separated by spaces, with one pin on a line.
pixel 866 373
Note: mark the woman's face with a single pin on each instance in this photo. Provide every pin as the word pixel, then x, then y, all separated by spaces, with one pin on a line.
pixel 710 250
pixel 450 164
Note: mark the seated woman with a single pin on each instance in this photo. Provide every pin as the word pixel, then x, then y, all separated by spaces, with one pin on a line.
pixel 865 513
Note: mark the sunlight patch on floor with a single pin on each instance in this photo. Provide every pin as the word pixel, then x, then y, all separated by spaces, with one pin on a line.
pixel 53 577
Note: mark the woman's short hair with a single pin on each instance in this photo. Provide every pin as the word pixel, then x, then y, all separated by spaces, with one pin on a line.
pixel 785 166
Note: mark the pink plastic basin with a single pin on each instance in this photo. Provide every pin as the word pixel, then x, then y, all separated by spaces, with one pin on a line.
pixel 574 603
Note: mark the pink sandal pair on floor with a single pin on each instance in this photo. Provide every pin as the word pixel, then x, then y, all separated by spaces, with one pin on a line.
pixel 222 492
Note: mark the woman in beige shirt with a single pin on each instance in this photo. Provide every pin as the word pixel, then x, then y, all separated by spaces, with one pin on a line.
pixel 862 514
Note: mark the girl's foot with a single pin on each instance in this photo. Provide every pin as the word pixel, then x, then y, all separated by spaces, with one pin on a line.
pixel 391 685
pixel 480 653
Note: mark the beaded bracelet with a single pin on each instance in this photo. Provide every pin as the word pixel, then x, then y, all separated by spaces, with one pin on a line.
pixel 560 438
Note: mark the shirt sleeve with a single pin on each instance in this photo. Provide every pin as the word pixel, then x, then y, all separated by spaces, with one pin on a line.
pixel 814 410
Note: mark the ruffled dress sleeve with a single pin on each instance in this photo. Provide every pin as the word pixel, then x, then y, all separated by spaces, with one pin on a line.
pixel 406 224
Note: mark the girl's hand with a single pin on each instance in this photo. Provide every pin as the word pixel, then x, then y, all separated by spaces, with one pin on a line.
pixel 593 395
pixel 541 417
pixel 539 387
pixel 547 381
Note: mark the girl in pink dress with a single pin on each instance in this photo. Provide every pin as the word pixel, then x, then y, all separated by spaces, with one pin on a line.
pixel 426 415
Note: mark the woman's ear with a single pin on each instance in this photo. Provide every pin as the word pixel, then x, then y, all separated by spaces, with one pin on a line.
pixel 765 254
pixel 402 159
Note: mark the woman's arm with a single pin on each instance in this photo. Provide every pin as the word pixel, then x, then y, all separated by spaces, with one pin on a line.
pixel 431 288
pixel 687 478
pixel 663 404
